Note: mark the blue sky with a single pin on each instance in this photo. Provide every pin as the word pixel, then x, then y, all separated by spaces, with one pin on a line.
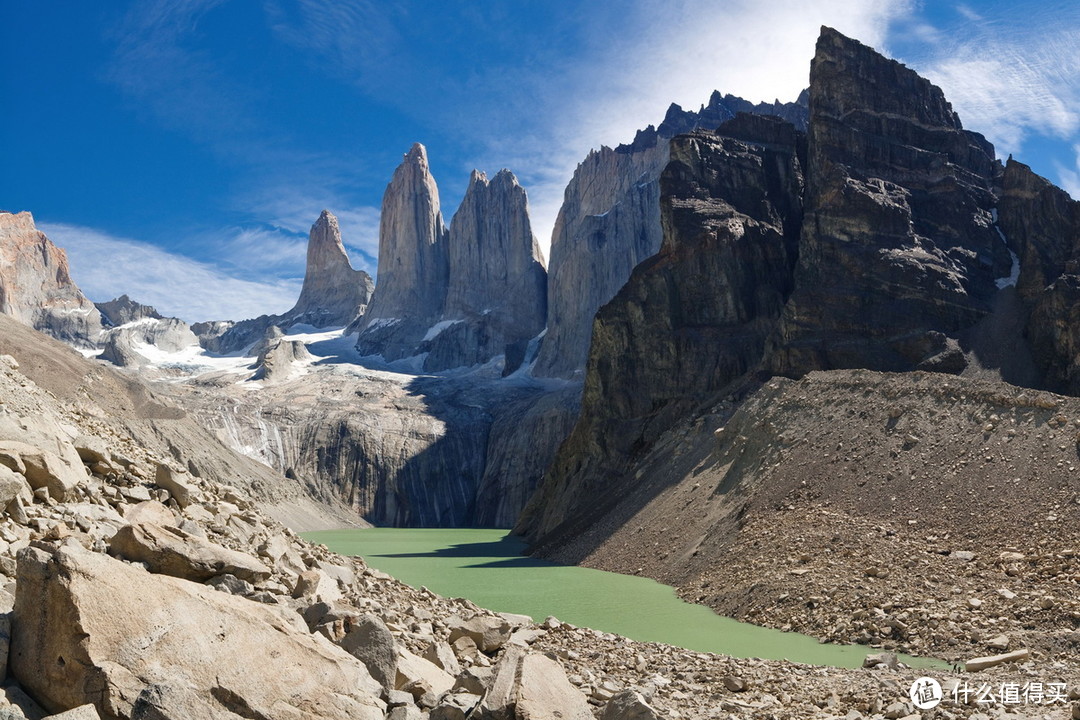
pixel 180 149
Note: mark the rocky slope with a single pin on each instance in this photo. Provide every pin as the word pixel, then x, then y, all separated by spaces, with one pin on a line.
pixel 458 297
pixel 610 222
pixel 36 285
pixel 134 589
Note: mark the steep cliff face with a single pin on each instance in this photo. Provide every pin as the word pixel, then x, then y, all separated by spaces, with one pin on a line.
pixel 413 262
pixel 900 199
pixel 690 320
pixel 333 293
pixel 610 221
pixel 497 279
pixel 36 286
pixel 1042 224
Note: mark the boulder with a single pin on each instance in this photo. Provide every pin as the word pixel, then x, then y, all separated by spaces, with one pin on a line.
pixel 12 485
pixel 488 632
pixel 981 663
pixel 628 705
pixel 317 585
pixel 531 687
pixel 89 628
pixel 83 712
pixel 455 706
pixel 179 484
pixel 441 654
pixel 92 449
pixel 150 511
pixel 370 642
pixel 424 680
pixel 171 551
pixel 43 468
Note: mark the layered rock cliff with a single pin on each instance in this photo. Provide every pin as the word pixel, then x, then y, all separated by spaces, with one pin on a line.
pixel 690 320
pixel 36 286
pixel 610 221
pixel 899 248
pixel 892 260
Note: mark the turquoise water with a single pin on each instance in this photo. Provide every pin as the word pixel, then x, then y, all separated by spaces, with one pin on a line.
pixel 486 566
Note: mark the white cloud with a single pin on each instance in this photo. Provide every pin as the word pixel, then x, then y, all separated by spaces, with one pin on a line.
pixel 1014 76
pixel 1070 177
pixel 105 267
pixel 658 52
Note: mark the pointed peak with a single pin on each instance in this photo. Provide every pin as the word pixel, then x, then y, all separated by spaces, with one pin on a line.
pixel 477 176
pixel 505 176
pixel 417 153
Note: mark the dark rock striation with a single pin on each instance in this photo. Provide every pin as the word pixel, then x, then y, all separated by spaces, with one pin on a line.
pixel 693 318
pixel 610 221
pixel 898 248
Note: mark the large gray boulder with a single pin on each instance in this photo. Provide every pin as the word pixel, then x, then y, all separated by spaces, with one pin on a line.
pixel 531 687
pixel 171 551
pixel 91 629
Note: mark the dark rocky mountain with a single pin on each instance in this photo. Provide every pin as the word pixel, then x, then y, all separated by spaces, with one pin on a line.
pixel 881 239
pixel 610 222
pixel 123 310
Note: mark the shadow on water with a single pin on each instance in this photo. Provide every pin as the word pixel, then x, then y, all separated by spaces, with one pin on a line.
pixel 486 567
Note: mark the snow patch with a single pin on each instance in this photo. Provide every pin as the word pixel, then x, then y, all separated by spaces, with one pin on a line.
pixel 435 330
pixel 1014 271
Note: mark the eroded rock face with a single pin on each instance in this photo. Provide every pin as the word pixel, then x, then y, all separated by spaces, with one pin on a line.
pixel 497 279
pixel 91 629
pixel 696 316
pixel 333 293
pixel 898 248
pixel 128 345
pixel 36 286
pixel 123 310
pixel 1042 225
pixel 610 221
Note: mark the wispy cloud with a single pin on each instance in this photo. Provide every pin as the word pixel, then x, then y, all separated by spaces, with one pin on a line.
pixel 1070 176
pixel 105 267
pixel 1014 76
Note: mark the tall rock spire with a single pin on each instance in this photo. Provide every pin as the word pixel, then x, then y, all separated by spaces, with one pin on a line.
pixel 333 292
pixel 496 267
pixel 412 245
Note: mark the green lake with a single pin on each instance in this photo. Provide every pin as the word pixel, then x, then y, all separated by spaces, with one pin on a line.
pixel 486 566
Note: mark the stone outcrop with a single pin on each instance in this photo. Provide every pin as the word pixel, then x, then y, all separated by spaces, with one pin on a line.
pixel 90 629
pixel 333 293
pixel 124 310
pixel 133 343
pixel 497 281
pixel 899 249
pixel 36 286
pixel 695 317
pixel 610 222
pixel 172 551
